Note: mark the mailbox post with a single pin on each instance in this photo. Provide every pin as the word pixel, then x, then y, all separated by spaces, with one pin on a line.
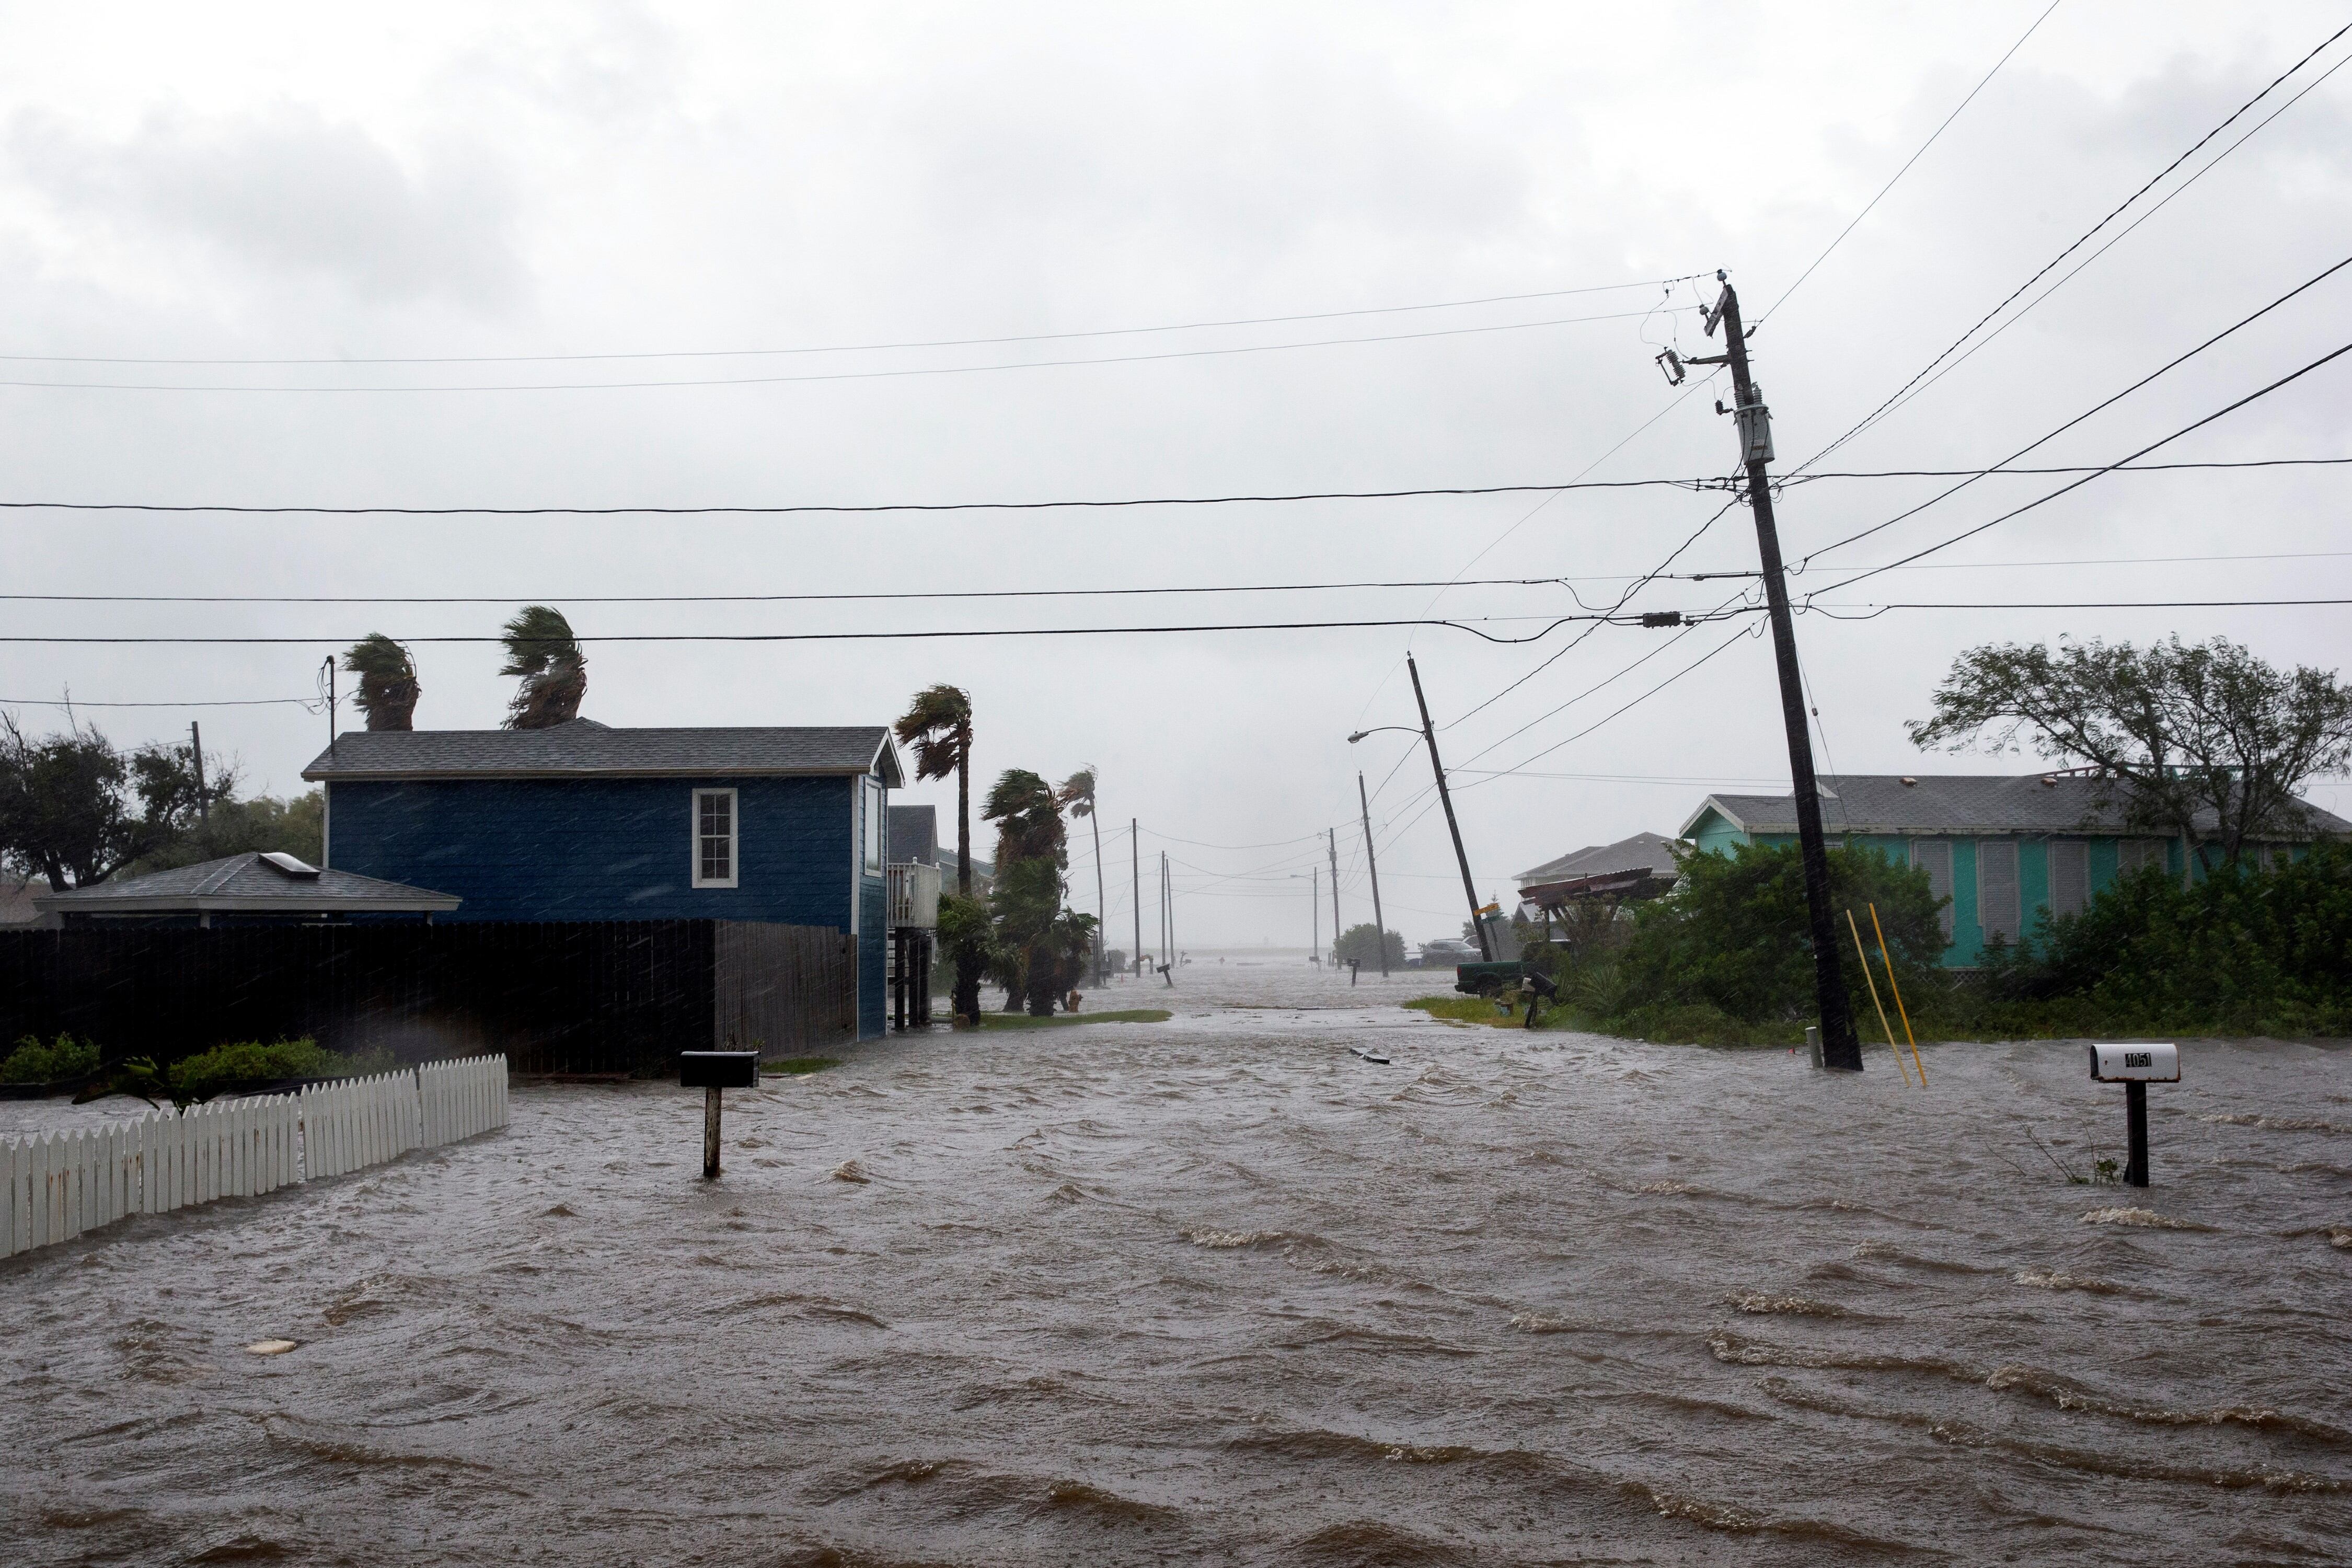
pixel 2135 1066
pixel 711 1071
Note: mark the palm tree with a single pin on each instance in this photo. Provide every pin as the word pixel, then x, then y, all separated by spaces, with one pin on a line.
pixel 937 724
pixel 1077 797
pixel 388 687
pixel 542 650
pixel 1028 820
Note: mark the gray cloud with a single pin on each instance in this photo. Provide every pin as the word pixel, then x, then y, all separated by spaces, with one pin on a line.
pixel 288 191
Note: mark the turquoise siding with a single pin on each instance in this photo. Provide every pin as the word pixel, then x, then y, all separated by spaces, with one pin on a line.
pixel 1717 836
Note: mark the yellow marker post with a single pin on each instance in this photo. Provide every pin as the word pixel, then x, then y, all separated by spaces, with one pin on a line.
pixel 1899 1008
pixel 1864 953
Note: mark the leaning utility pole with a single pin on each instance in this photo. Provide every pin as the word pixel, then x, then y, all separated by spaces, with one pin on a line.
pixel 1331 836
pixel 196 752
pixel 1102 896
pixel 1469 889
pixel 1839 1048
pixel 1135 871
pixel 1379 920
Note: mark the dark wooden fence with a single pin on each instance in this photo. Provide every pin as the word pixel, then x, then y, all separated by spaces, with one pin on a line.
pixel 622 996
pixel 787 991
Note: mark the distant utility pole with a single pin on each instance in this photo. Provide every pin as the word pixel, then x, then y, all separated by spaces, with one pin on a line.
pixel 1135 870
pixel 1379 920
pixel 1469 889
pixel 1102 897
pixel 196 750
pixel 1331 838
pixel 1839 1048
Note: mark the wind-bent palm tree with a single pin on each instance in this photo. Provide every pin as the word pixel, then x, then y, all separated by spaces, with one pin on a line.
pixel 542 650
pixel 1076 795
pixel 388 687
pixel 1028 820
pixel 937 724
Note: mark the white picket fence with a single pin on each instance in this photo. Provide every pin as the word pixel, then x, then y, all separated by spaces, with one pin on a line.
pixel 59 1184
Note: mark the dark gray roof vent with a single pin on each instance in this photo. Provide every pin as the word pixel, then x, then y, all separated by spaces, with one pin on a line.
pixel 290 865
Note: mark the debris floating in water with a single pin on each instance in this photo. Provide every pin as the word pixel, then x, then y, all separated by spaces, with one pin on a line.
pixel 269 1347
pixel 1378 1058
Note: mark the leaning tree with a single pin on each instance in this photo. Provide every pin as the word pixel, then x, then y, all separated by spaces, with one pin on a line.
pixel 2203 741
pixel 541 649
pixel 388 687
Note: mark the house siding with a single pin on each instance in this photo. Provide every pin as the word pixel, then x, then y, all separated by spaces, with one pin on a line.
pixel 591 848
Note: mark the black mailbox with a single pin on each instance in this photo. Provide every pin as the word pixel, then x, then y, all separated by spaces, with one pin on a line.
pixel 718 1069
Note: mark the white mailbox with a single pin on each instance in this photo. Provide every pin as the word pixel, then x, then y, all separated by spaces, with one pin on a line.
pixel 2135 1064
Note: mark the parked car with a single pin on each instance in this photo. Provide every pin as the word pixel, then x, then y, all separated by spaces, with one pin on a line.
pixel 1445 953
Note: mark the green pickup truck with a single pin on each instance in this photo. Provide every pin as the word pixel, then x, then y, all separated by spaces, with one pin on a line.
pixel 1489 979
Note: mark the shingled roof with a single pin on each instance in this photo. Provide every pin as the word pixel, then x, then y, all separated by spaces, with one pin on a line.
pixel 1959 803
pixel 250 883
pixel 585 747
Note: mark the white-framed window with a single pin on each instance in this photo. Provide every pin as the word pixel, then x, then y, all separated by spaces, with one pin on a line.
pixel 874 832
pixel 714 830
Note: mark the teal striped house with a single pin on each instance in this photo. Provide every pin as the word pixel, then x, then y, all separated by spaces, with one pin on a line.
pixel 2005 852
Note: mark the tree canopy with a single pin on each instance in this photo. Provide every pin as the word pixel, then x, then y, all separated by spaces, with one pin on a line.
pixel 2180 729
pixel 388 687
pixel 76 810
pixel 541 649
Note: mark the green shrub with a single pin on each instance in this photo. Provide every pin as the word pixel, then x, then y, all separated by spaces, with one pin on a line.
pixel 2248 950
pixel 249 1064
pixel 33 1062
pixel 1734 937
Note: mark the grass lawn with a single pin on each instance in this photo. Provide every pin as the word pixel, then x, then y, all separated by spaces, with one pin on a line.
pixel 1065 1020
pixel 1467 1010
pixel 801 1065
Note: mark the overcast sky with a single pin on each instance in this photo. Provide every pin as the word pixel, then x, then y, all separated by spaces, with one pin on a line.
pixel 463 183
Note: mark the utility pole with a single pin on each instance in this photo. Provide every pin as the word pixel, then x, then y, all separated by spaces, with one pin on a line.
pixel 1469 889
pixel 1168 895
pixel 1331 838
pixel 1102 898
pixel 1379 920
pixel 196 750
pixel 1135 870
pixel 1839 1048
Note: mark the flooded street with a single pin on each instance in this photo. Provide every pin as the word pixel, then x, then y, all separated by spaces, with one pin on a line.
pixel 1217 1290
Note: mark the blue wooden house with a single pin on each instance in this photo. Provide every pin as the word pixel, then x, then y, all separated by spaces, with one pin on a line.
pixel 584 822
pixel 2005 853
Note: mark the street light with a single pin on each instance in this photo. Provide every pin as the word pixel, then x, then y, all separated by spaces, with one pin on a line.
pixel 1445 798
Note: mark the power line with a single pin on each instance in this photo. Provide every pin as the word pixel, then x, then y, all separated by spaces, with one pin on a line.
pixel 312 703
pixel 1878 610
pixel 2125 233
pixel 825 375
pixel 1596 724
pixel 2085 238
pixel 1639 583
pixel 1694 484
pixel 2165 369
pixel 848 348
pixel 1969 533
pixel 1554 624
pixel 1905 169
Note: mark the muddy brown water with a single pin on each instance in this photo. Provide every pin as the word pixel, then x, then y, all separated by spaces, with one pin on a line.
pixel 1216 1290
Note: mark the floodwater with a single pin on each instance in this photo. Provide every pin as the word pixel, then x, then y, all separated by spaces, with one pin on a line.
pixel 1217 1290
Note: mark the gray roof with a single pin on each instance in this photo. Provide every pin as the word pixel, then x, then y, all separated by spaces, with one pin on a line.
pixel 582 746
pixel 1927 805
pixel 1643 852
pixel 250 883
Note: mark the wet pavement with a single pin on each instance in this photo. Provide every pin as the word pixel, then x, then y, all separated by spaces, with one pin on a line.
pixel 1217 1290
